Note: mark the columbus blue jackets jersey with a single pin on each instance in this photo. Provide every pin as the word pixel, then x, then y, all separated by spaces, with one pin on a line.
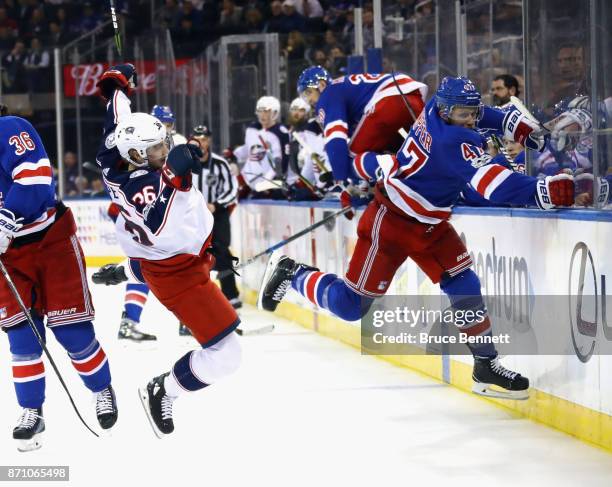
pixel 343 104
pixel 436 162
pixel 155 221
pixel 26 179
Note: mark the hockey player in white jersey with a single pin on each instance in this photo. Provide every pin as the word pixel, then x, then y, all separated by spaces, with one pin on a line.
pixel 165 226
pixel 265 152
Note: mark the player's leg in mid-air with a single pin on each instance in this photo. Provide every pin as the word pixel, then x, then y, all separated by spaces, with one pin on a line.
pixel 386 239
pixel 50 276
pixel 182 284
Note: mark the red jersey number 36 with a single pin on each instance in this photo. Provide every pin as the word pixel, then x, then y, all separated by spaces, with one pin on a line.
pixel 22 142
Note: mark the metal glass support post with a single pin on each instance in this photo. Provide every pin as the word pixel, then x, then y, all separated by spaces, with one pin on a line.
pixel 59 119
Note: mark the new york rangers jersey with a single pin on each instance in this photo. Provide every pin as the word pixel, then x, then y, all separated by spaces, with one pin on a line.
pixel 26 179
pixel 436 162
pixel 155 221
pixel 344 103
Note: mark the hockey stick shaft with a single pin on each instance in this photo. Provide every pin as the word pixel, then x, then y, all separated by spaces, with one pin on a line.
pixel 118 44
pixel 280 244
pixel 28 316
pixel 315 157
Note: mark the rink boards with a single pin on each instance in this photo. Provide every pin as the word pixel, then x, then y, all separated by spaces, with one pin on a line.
pixel 531 248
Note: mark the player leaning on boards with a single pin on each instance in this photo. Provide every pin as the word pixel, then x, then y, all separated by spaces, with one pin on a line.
pixel 409 218
pixel 42 254
pixel 360 113
pixel 164 227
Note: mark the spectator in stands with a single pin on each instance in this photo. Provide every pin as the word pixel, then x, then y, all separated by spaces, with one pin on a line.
pixel 320 58
pixel 292 20
pixel 37 26
pixel 71 173
pixel 13 70
pixel 253 20
pixel 296 47
pixel 57 36
pixel 37 65
pixel 337 60
pixel 186 38
pixel 275 20
pixel 311 9
pixel 88 20
pixel 169 13
pixel 188 11
pixel 334 18
pixel 329 41
pixel 7 40
pixel 97 188
pixel 502 88
pixel 399 8
pixel 6 21
pixel 82 187
pixel 231 18
pixel 570 74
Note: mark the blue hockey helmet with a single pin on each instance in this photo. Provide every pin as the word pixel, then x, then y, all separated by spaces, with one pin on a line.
pixel 310 78
pixel 457 92
pixel 163 113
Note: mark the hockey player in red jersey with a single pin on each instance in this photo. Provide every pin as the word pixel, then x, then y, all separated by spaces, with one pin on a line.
pixel 40 249
pixel 409 219
pixel 165 228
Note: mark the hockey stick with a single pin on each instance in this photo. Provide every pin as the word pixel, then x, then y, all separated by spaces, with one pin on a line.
pixel 403 95
pixel 256 331
pixel 116 29
pixel 25 311
pixel 280 244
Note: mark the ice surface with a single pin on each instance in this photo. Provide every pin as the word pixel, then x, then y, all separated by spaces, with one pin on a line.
pixel 302 410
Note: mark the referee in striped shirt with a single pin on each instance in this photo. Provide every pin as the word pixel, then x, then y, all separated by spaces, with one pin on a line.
pixel 220 188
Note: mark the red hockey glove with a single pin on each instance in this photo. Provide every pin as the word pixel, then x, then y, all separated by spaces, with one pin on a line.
pixel 121 77
pixel 555 191
pixel 520 128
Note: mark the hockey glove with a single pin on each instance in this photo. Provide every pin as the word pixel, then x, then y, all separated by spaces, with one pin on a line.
pixel 9 226
pixel 110 275
pixel 345 193
pixel 520 128
pixel 121 77
pixel 555 191
pixel 182 160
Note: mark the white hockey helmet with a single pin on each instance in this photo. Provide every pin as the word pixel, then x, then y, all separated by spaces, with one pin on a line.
pixel 269 103
pixel 299 104
pixel 139 131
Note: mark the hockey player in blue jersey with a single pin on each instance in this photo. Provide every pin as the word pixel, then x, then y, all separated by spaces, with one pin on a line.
pixel 40 249
pixel 409 218
pixel 360 113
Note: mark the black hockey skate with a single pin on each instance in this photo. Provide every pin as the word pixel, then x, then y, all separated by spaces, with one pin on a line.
pixel 277 280
pixel 28 430
pixel 106 408
pixel 506 384
pixel 236 303
pixel 158 406
pixel 184 331
pixel 110 275
pixel 128 331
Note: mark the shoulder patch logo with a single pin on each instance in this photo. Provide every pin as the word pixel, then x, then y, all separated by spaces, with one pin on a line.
pixel 110 142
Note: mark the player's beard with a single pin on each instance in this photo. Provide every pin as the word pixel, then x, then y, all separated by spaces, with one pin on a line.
pixel 498 101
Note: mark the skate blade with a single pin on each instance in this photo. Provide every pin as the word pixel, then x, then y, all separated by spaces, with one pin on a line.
pixel 34 443
pixel 488 390
pixel 255 331
pixel 270 266
pixel 143 394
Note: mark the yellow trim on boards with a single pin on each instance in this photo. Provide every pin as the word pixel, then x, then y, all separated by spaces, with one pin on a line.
pixel 579 421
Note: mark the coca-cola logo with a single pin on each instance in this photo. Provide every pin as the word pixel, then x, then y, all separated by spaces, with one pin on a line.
pixel 86 77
